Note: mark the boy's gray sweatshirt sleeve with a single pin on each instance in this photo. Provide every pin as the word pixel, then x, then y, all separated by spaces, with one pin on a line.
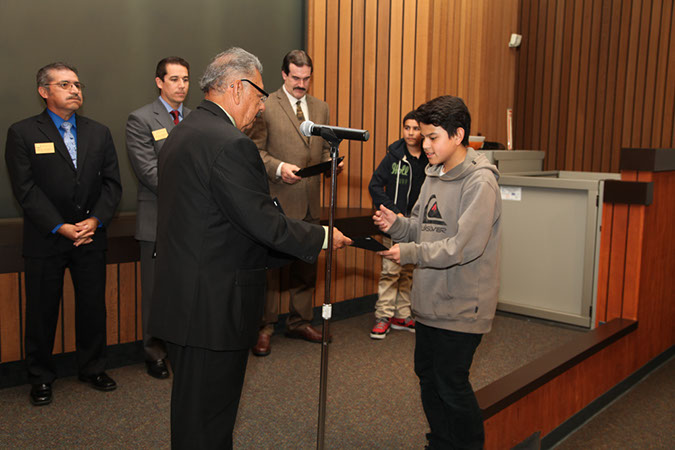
pixel 475 223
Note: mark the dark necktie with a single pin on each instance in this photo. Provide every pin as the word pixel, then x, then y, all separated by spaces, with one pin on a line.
pixel 174 114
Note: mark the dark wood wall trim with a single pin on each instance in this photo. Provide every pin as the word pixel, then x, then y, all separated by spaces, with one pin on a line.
pixel 628 192
pixel 647 159
pixel 516 385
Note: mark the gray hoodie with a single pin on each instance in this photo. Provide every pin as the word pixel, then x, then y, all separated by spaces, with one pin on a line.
pixel 453 236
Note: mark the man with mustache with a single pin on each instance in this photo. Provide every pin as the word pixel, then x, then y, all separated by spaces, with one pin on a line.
pixel 147 130
pixel 64 174
pixel 284 150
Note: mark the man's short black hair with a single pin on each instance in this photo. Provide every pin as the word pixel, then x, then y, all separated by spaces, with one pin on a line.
pixel 299 58
pixel 160 72
pixel 447 112
pixel 412 115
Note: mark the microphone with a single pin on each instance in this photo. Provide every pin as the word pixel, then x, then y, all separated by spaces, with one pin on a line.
pixel 308 128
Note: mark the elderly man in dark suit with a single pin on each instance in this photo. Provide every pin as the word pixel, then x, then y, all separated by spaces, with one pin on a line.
pixel 218 231
pixel 147 130
pixel 64 174
pixel 284 150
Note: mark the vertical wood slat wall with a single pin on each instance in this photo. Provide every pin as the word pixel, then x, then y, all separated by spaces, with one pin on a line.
pixel 123 309
pixel 593 77
pixel 375 60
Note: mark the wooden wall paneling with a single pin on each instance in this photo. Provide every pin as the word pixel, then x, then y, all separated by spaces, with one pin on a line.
pixel 343 119
pixel 573 100
pixel 368 161
pixel 621 77
pixel 395 88
pixel 58 336
pixel 538 66
pixel 10 310
pixel 553 124
pixel 583 112
pixel 520 111
pixel 601 58
pixel 320 289
pixel 382 76
pixel 332 34
pixel 642 106
pixel 357 176
pixel 612 100
pixel 422 46
pixel 655 127
pixel 631 282
pixel 139 302
pixel 112 304
pixel 408 50
pixel 617 263
pixel 68 313
pixel 652 35
pixel 127 302
pixel 603 263
pixel 668 132
pixel 590 126
pixel 634 48
pixel 566 89
pixel 439 33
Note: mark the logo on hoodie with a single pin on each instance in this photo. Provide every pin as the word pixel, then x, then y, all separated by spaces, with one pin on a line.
pixel 431 212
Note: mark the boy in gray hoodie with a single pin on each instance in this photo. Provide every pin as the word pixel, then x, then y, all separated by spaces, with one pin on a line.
pixel 453 236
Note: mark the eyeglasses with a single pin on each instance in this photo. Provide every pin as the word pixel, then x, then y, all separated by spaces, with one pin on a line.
pixel 66 85
pixel 259 89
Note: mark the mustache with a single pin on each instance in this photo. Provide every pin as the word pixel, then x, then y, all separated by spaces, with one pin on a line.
pixel 300 88
pixel 74 97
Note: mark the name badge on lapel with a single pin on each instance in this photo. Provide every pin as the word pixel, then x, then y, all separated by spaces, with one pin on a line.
pixel 160 134
pixel 42 148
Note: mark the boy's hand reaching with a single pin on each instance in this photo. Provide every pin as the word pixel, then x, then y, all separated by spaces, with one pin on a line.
pixel 384 218
pixel 393 254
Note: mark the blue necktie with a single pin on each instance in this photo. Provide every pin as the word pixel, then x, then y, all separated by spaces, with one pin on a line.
pixel 69 139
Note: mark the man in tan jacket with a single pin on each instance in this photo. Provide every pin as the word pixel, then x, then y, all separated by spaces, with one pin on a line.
pixel 284 150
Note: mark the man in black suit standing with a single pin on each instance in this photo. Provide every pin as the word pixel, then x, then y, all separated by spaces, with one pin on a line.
pixel 218 231
pixel 64 174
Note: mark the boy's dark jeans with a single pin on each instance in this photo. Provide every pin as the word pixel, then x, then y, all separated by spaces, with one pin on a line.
pixel 442 362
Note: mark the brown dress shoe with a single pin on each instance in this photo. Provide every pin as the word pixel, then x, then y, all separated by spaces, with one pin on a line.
pixel 262 347
pixel 307 333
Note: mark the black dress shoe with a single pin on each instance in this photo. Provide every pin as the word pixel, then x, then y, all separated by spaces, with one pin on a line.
pixel 157 369
pixel 41 394
pixel 100 381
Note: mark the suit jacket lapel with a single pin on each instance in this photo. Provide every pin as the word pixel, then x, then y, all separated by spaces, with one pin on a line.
pixel 292 116
pixel 47 127
pixel 82 140
pixel 164 119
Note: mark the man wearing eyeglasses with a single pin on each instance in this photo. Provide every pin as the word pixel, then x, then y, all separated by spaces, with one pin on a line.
pixel 218 230
pixel 147 130
pixel 64 174
pixel 284 150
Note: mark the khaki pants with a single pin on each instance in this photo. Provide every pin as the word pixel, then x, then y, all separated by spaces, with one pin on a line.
pixel 393 291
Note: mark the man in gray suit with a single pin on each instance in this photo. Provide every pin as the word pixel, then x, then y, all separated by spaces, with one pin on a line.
pixel 284 150
pixel 147 130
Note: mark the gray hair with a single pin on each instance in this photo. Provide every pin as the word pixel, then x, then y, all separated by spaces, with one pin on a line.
pixel 234 63
pixel 43 77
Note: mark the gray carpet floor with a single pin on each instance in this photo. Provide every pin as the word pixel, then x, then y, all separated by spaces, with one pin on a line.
pixel 373 394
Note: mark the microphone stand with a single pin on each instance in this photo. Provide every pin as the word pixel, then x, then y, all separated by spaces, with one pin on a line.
pixel 326 311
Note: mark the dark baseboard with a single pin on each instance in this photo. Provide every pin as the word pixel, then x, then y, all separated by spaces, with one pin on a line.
pixel 119 355
pixel 574 422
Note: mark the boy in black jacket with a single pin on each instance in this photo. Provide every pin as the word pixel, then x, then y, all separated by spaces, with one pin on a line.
pixel 396 184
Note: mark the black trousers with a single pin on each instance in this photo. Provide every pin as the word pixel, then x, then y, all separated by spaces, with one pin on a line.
pixel 44 290
pixel 205 396
pixel 442 362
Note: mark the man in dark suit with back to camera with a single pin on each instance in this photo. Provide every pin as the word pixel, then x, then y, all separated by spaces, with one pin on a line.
pixel 147 130
pixel 218 231
pixel 64 174
pixel 285 150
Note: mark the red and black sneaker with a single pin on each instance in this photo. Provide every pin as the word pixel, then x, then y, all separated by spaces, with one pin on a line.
pixel 381 328
pixel 407 324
